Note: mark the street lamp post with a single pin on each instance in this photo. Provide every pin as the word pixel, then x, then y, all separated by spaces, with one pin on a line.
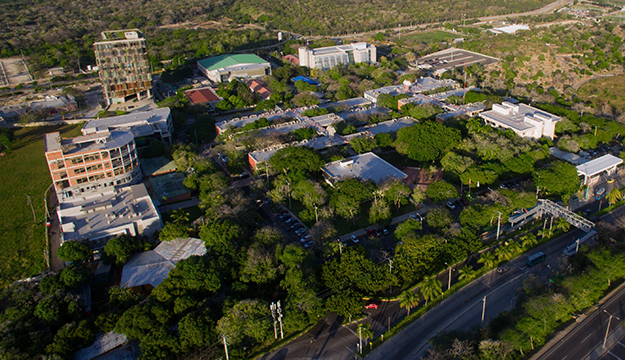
pixel 608 329
pixel 316 216
pixel 449 280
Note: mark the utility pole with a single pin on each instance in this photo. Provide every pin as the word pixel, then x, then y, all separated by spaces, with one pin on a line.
pixel 272 307
pixel 449 280
pixel 360 339
pixel 390 271
pixel 279 308
pixel 483 309
pixel 498 223
pixel 316 216
pixel 340 246
pixel 608 329
pixel 223 336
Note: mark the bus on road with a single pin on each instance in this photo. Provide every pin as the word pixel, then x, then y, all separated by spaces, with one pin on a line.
pixel 535 259
pixel 599 193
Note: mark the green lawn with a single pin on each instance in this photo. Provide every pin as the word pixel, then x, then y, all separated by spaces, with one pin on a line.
pixel 24 172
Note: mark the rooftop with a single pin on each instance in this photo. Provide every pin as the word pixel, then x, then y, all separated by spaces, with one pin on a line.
pixel 132 120
pixel 222 61
pixel 202 96
pixel 168 185
pixel 598 165
pixel 157 166
pixel 116 35
pixel 339 49
pixel 94 217
pixel 103 343
pixel 513 115
pixel 390 125
pixel 87 143
pixel 152 267
pixel 366 166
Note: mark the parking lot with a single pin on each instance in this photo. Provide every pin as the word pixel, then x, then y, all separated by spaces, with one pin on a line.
pixel 451 58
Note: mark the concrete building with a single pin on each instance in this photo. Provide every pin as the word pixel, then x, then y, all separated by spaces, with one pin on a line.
pixel 97 217
pixel 123 66
pixel 328 57
pixel 148 269
pixel 421 85
pixel 592 170
pixel 223 68
pixel 91 163
pixel 367 166
pixel 145 126
pixel 526 121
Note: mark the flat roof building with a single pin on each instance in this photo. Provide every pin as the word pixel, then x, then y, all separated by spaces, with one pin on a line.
pixel 98 217
pixel 526 121
pixel 90 163
pixel 223 68
pixel 123 66
pixel 592 170
pixel 367 166
pixel 145 126
pixel 328 57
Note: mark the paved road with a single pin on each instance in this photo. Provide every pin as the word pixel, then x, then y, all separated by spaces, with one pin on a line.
pixel 461 311
pixel 585 341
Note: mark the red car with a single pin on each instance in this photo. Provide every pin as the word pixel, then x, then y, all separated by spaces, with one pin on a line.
pixel 372 305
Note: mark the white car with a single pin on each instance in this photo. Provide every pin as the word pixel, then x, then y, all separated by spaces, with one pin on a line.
pixel 354 239
pixel 451 205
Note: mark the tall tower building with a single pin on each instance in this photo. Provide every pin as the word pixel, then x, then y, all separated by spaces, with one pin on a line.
pixel 123 65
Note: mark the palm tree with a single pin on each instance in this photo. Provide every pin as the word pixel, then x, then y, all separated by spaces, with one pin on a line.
pixel 179 216
pixel 528 240
pixel 562 224
pixel 615 196
pixel 430 288
pixel 408 299
pixel 466 272
pixel 544 233
pixel 488 259
pixel 515 249
pixel 503 253
pixel 365 331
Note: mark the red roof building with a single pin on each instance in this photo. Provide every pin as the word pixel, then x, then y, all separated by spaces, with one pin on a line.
pixel 258 87
pixel 293 59
pixel 204 95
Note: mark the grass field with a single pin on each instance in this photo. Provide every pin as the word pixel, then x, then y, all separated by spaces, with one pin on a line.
pixel 24 172
pixel 426 37
pixel 608 90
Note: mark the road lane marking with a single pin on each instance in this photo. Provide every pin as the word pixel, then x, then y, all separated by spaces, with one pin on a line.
pixel 610 352
pixel 586 338
pixel 620 343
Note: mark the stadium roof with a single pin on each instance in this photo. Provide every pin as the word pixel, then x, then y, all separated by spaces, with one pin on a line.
pixel 222 61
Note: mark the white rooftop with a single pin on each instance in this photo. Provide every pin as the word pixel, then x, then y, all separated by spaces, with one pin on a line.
pixel 367 166
pixel 107 213
pixel 340 49
pixel 390 125
pixel 510 29
pixel 156 118
pixel 513 115
pixel 95 141
pixel 152 267
pixel 598 165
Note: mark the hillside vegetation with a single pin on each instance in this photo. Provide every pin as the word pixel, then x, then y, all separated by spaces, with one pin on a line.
pixel 61 32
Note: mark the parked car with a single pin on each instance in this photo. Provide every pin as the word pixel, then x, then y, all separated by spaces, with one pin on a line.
pixel 372 305
pixel 354 239
pixel 502 269
pixel 378 232
pixel 288 219
pixel 370 233
pixel 450 205
pixel 386 231
pixel 300 231
pixel 309 244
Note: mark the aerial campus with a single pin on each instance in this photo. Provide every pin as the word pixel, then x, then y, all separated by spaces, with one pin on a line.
pixel 238 184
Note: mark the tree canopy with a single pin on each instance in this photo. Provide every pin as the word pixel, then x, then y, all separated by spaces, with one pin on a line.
pixel 426 141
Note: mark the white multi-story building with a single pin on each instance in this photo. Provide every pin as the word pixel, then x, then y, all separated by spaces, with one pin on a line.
pixel 526 121
pixel 328 57
pixel 145 126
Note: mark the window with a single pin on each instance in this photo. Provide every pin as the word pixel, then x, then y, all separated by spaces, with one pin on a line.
pixel 94 167
pixel 92 157
pixel 105 155
pixel 81 180
pixel 76 160
pixel 96 177
pixel 60 164
pixel 79 171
